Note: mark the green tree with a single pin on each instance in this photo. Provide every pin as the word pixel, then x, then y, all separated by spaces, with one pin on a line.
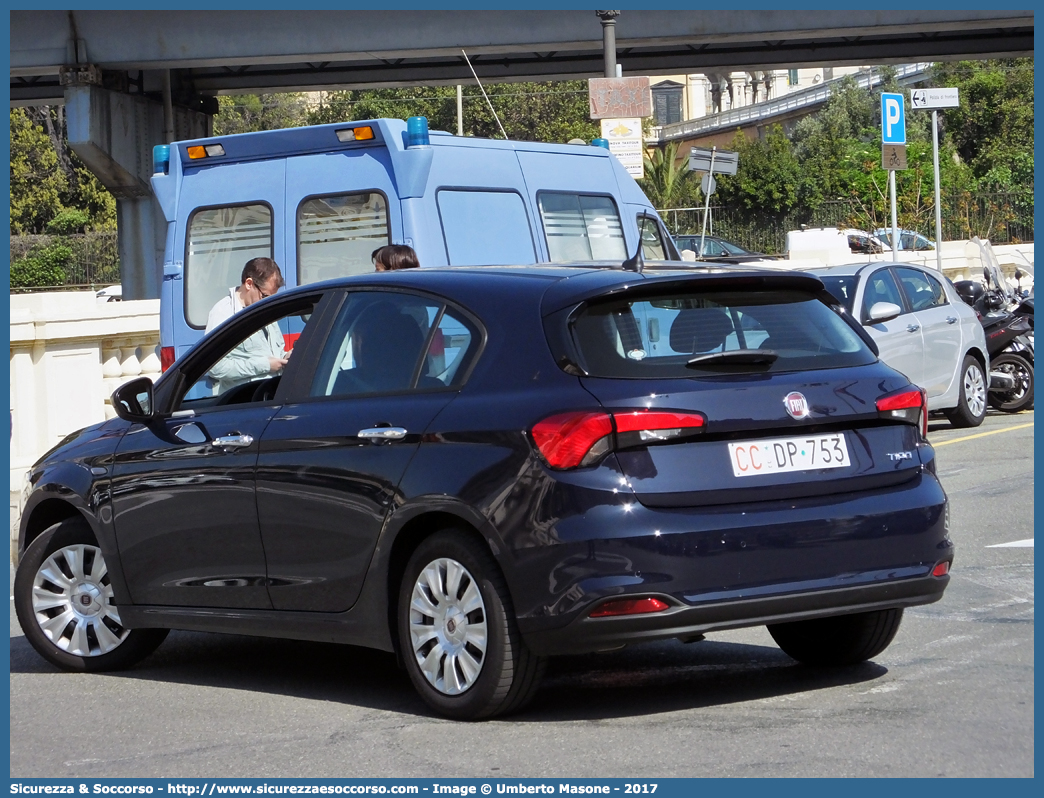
pixel 768 178
pixel 992 128
pixel 249 113
pixel 668 183
pixel 48 177
pixel 37 184
pixel 546 111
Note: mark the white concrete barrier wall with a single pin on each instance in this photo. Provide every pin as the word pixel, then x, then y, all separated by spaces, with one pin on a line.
pixel 68 354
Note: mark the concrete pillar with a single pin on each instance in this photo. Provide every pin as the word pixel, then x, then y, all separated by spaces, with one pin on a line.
pixel 698 96
pixel 114 133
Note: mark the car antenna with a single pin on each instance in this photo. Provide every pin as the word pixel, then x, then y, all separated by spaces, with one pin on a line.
pixel 479 82
pixel 637 263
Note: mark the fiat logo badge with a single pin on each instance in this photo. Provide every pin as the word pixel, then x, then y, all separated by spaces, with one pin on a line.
pixel 796 404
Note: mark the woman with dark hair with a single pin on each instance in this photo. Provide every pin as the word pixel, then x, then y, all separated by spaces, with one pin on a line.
pixel 394 257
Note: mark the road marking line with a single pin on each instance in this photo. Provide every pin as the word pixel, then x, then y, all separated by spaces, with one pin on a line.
pixel 982 435
pixel 1016 544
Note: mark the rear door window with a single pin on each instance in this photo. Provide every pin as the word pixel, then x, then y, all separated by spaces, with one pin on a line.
pixel 337 234
pixel 581 227
pixel 923 290
pixel 219 243
pixel 658 337
pixel 394 342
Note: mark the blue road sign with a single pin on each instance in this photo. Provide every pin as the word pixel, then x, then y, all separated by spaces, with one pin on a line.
pixel 893 119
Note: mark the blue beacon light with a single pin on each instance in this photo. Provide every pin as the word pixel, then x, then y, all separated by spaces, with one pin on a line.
pixel 417 132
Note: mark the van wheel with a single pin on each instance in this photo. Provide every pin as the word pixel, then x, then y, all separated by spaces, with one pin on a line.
pixel 63 599
pixel 839 640
pixel 971 405
pixel 457 631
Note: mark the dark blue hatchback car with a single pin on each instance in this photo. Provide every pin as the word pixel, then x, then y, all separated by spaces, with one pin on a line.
pixel 479 468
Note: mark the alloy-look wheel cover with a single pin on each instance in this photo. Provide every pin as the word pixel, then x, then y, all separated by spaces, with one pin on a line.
pixel 975 390
pixel 448 626
pixel 73 604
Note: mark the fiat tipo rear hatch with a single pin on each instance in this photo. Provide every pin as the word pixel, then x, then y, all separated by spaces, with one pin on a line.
pixel 742 391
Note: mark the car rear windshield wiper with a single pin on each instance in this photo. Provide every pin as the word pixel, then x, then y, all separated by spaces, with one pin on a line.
pixel 738 357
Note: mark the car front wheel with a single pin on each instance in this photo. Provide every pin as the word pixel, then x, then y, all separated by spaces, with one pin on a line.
pixel 457 631
pixel 839 640
pixel 64 602
pixel 971 404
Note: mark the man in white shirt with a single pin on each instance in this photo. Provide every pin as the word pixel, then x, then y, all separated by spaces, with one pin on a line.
pixel 263 353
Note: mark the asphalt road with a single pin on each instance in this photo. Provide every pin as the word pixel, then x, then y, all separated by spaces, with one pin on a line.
pixel 952 696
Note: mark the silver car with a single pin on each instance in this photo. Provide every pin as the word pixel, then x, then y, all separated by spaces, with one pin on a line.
pixel 922 328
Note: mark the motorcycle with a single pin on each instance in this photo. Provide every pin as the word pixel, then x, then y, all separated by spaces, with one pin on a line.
pixel 1007 319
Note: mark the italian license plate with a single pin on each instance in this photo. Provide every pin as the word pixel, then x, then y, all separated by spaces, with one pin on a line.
pixel 782 455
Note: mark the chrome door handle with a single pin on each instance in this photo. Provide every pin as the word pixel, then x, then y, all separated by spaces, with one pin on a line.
pixel 913 327
pixel 232 441
pixel 383 433
pixel 951 319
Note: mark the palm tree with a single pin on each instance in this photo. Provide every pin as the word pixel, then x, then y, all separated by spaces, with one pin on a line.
pixel 666 183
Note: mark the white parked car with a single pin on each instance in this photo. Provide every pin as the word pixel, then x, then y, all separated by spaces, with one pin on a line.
pixel 922 328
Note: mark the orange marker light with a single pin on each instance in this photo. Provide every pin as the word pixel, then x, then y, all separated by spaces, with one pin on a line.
pixel 363 133
pixel 195 153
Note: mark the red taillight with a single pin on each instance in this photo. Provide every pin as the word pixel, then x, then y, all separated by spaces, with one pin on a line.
pixel 909 405
pixel 568 440
pixel 941 569
pixel 166 357
pixel 629 607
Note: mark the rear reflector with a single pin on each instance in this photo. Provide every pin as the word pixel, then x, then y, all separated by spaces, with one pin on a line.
pixel 941 569
pixel 909 405
pixel 166 357
pixel 581 438
pixel 629 607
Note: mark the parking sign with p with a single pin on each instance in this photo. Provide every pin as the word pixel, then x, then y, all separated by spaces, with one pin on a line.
pixel 893 119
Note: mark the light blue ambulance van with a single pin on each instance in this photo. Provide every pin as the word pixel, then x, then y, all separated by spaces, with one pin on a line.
pixel 319 200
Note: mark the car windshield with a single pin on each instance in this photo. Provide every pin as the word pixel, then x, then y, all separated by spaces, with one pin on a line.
pixel 732 249
pixel 843 288
pixel 669 336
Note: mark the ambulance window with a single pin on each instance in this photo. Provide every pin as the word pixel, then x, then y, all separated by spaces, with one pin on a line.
pixel 485 228
pixel 220 242
pixel 581 227
pixel 337 234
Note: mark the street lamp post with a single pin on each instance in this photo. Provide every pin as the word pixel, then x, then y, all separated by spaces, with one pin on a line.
pixel 609 40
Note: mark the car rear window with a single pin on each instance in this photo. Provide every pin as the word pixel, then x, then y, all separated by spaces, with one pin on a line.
pixel 658 337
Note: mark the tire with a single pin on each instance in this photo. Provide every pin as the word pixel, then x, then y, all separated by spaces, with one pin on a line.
pixel 461 646
pixel 63 599
pixel 1021 396
pixel 971 405
pixel 839 640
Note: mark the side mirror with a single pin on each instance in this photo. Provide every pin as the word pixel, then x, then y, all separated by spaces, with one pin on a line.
pixel 1018 273
pixel 884 311
pixel 132 401
pixel 986 275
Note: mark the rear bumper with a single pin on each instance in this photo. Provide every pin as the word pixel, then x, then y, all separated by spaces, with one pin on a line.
pixel 597 634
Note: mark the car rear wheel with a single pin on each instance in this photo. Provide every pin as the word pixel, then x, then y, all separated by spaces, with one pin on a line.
pixel 457 631
pixel 64 602
pixel 1020 397
pixel 971 404
pixel 840 640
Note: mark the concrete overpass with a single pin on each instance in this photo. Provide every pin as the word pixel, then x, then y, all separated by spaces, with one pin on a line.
pixel 222 52
pixel 133 79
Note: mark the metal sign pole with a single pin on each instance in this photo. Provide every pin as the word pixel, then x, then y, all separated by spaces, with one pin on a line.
pixel 938 202
pixel 895 226
pixel 706 205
